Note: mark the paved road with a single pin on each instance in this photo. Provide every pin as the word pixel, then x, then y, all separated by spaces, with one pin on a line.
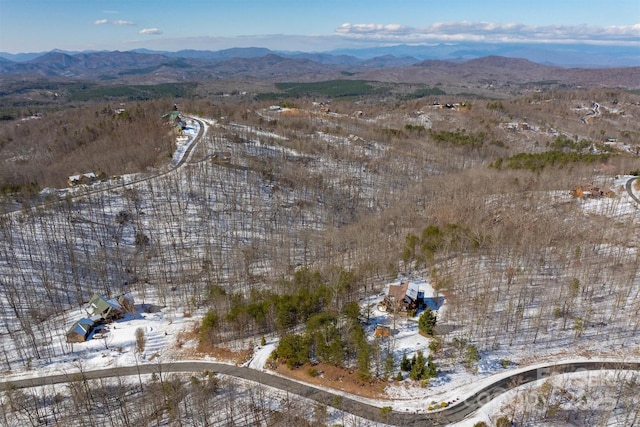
pixel 630 190
pixel 450 415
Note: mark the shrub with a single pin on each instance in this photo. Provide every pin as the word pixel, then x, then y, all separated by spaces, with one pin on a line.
pixel 418 367
pixel 435 345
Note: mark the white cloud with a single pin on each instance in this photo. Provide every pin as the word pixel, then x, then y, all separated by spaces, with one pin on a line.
pixel 150 31
pixel 491 32
pixel 117 22
pixel 373 28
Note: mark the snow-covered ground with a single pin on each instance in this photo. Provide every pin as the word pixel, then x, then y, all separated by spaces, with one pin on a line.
pixel 184 141
pixel 167 329
pixel 587 392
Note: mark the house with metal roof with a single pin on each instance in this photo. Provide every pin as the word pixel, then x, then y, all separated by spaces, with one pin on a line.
pixel 108 309
pixel 100 310
pixel 80 330
pixel 404 296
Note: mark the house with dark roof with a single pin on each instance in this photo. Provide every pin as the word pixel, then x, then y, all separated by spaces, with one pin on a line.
pixel 84 178
pixel 81 329
pixel 403 297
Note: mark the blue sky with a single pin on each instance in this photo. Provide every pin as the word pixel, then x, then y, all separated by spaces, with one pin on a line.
pixel 308 25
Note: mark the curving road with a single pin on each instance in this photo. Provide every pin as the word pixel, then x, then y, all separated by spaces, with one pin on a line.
pixel 449 415
pixel 452 414
pixel 630 190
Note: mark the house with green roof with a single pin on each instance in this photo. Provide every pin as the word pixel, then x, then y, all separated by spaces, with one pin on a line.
pixel 176 120
pixel 108 309
pixel 100 309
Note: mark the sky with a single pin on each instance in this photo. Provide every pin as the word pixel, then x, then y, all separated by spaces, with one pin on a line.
pixel 306 25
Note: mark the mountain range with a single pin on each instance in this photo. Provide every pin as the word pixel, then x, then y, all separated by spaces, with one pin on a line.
pixel 482 63
pixel 562 55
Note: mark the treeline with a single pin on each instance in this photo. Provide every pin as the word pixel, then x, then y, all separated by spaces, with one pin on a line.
pixel 94 92
pixel 423 92
pixel 346 89
pixel 331 88
pixel 461 138
pixel 26 98
pixel 538 161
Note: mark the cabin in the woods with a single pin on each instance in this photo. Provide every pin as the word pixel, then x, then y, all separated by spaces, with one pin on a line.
pixel 80 330
pixel 83 178
pixel 403 297
pixel 100 309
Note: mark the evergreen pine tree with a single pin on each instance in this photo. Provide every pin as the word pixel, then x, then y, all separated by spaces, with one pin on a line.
pixel 405 364
pixel 418 368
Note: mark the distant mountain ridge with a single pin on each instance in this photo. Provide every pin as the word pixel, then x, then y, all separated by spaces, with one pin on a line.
pixel 564 55
pixel 257 62
pixel 148 67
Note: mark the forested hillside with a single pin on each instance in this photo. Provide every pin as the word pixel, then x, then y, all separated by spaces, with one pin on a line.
pixel 286 216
